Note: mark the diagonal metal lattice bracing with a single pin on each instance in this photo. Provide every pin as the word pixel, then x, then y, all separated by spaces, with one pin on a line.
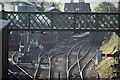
pixel 63 21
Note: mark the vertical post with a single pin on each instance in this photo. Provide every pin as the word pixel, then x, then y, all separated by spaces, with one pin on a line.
pixel 4 48
pixel 5 53
pixel 98 77
pixel 29 21
pixel 99 59
pixel 4 16
pixel 97 20
pixel 59 75
pixel 52 21
pixel 74 21
pixel 99 56
pixel 1 53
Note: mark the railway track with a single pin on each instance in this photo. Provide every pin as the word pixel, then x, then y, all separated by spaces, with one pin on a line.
pixel 11 72
pixel 84 65
pixel 32 74
pixel 80 60
pixel 13 67
pixel 56 52
pixel 38 64
pixel 68 43
pixel 80 66
pixel 62 50
pixel 74 53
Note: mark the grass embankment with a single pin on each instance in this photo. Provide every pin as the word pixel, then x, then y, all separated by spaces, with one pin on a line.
pixel 104 68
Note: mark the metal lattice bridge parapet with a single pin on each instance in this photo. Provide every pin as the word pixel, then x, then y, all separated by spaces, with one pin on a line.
pixel 63 21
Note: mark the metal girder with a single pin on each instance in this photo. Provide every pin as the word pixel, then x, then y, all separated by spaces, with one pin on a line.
pixel 63 21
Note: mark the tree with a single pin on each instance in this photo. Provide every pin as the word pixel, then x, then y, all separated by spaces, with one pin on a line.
pixel 39 5
pixel 42 4
pixel 106 7
pixel 56 5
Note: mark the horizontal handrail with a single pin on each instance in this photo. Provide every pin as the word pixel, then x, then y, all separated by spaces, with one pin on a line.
pixel 55 12
pixel 63 20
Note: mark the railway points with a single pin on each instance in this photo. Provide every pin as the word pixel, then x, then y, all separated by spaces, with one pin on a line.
pixel 50 45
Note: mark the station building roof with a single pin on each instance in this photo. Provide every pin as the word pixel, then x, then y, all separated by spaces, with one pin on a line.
pixel 77 7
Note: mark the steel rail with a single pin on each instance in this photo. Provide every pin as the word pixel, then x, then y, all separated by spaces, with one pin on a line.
pixel 14 74
pixel 51 57
pixel 68 54
pixel 78 59
pixel 38 64
pixel 58 53
pixel 14 63
pixel 50 64
pixel 81 72
pixel 78 62
pixel 39 60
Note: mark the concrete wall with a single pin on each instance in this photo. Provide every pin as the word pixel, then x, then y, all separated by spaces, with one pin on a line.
pixel 0 53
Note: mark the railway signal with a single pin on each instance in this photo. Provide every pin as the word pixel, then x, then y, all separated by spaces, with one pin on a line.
pixel 116 54
pixel 108 55
pixel 100 55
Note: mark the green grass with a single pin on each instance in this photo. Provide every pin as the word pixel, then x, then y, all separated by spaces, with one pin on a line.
pixel 104 68
pixel 111 46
